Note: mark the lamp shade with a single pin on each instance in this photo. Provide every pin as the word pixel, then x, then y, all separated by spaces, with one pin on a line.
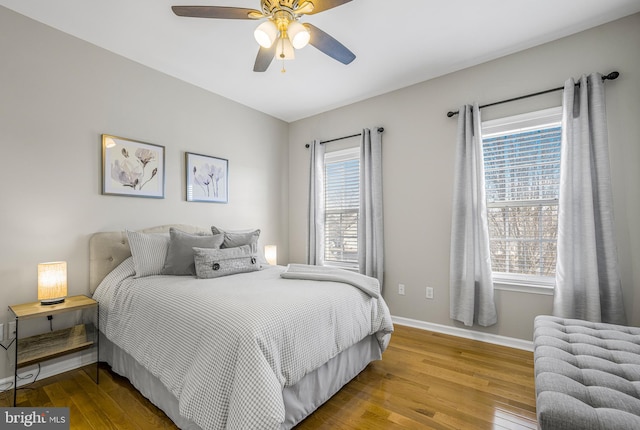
pixel 52 282
pixel 271 254
pixel 298 34
pixel 266 34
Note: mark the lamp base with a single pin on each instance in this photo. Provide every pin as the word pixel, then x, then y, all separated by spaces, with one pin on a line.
pixel 48 302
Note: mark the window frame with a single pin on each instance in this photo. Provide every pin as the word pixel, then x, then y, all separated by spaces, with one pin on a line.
pixel 551 117
pixel 336 156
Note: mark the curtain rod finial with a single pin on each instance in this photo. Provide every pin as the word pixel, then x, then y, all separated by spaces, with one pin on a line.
pixel 306 145
pixel 613 75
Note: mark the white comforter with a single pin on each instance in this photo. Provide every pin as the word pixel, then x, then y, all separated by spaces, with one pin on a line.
pixel 226 347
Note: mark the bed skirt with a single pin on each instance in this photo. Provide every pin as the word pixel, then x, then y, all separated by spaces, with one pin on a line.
pixel 300 400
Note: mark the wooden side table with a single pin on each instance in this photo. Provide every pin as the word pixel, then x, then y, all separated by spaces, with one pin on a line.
pixel 45 346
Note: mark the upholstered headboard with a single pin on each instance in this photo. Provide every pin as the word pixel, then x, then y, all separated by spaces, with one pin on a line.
pixel 108 249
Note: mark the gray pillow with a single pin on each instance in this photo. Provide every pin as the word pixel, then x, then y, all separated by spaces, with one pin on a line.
pixel 179 259
pixel 149 251
pixel 214 263
pixel 234 239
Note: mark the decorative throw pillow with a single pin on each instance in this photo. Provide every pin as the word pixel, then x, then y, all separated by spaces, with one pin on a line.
pixel 179 259
pixel 149 250
pixel 214 263
pixel 234 239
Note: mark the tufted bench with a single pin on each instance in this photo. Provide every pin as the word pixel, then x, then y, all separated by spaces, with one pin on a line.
pixel 587 375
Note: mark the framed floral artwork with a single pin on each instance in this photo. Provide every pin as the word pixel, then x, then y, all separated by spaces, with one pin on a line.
pixel 207 178
pixel 132 168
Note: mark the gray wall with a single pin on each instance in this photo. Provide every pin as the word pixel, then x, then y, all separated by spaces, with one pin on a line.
pixel 418 152
pixel 58 94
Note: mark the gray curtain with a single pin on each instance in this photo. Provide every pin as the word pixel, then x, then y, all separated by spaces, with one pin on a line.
pixel 315 228
pixel 587 277
pixel 370 223
pixel 471 283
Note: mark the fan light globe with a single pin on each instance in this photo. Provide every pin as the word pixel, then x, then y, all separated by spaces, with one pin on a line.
pixel 298 34
pixel 266 34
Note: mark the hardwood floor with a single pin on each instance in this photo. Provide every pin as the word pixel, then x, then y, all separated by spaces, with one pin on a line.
pixel 425 380
pixel 428 380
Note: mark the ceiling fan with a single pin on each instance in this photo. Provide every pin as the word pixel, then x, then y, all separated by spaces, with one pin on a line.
pixel 282 31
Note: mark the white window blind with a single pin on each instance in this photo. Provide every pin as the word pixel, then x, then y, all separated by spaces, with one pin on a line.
pixel 522 176
pixel 342 200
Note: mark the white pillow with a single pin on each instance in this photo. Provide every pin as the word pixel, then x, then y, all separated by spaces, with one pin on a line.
pixel 149 251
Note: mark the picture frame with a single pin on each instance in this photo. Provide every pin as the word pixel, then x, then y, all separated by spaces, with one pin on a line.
pixel 207 178
pixel 132 168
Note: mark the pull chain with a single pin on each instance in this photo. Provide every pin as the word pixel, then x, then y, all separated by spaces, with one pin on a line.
pixel 282 54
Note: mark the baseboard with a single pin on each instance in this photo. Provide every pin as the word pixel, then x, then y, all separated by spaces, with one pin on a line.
pixel 511 342
pixel 51 368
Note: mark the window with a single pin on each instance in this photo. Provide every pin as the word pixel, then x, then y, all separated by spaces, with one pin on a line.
pixel 342 201
pixel 522 177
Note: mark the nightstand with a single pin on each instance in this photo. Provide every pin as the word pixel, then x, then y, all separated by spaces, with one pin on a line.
pixel 52 344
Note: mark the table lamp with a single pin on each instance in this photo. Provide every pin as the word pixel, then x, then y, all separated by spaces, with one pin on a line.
pixel 52 282
pixel 271 254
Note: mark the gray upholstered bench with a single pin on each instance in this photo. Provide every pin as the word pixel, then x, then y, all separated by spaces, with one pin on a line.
pixel 587 375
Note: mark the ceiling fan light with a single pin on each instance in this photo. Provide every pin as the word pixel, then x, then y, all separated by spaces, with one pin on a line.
pixel 298 34
pixel 284 49
pixel 266 34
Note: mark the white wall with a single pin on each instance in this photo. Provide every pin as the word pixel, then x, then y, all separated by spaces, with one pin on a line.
pixel 418 153
pixel 58 94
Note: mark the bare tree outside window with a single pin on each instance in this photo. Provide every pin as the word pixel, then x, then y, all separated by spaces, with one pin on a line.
pixel 522 175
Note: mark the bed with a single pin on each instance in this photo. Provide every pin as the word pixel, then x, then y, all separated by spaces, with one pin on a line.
pixel 247 350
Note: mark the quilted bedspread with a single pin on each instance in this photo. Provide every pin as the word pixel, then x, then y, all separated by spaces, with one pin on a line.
pixel 226 347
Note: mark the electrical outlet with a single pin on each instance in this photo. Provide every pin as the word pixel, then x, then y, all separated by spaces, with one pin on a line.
pixel 12 329
pixel 429 293
pixel 401 289
pixel 1 332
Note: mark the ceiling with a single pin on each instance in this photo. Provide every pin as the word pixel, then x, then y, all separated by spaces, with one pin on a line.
pixel 397 43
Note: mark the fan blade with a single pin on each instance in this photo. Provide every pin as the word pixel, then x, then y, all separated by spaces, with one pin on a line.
pixel 264 58
pixel 221 12
pixel 322 5
pixel 330 46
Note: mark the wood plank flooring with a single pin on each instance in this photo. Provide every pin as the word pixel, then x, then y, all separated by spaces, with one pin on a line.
pixel 425 380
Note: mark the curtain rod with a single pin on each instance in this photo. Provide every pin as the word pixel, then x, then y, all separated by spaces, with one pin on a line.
pixel 610 76
pixel 380 130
